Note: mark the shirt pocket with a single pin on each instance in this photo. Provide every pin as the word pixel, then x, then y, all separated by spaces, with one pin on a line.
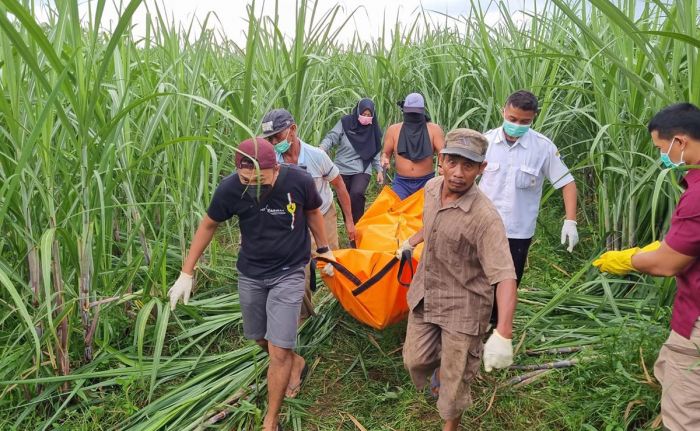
pixel 458 248
pixel 455 245
pixel 490 173
pixel 526 177
pixel 491 168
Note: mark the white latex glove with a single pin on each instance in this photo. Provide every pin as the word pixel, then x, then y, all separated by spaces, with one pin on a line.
pixel 327 255
pixel 181 289
pixel 404 246
pixel 498 352
pixel 328 270
pixel 569 231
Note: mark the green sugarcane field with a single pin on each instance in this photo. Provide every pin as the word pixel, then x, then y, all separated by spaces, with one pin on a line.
pixel 114 138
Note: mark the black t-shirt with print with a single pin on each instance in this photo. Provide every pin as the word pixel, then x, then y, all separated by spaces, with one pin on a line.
pixel 274 233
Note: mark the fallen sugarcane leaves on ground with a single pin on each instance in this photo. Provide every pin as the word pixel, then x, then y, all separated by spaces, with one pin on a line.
pixel 111 144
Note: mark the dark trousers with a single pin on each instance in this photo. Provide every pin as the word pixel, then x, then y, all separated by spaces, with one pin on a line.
pixel 518 251
pixel 357 186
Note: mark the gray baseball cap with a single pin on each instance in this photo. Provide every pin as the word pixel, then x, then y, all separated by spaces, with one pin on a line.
pixel 275 121
pixel 414 103
pixel 466 143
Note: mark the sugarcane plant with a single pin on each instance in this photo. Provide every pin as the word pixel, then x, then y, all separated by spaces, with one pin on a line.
pixel 111 145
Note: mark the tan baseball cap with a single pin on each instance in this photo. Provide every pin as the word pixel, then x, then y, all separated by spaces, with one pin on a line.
pixel 466 143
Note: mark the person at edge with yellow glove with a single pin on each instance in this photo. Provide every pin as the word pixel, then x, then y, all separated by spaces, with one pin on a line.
pixel 276 205
pixel 465 255
pixel 675 131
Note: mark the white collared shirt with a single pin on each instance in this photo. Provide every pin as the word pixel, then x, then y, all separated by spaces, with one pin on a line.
pixel 321 168
pixel 514 176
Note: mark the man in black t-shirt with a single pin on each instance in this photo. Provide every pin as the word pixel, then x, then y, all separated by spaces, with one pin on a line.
pixel 276 205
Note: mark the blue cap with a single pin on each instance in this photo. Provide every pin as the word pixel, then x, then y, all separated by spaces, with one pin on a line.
pixel 275 121
pixel 414 103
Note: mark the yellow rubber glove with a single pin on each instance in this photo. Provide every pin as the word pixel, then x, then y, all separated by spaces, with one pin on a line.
pixel 620 262
pixel 650 247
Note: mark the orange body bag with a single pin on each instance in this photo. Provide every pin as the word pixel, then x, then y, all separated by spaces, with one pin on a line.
pixel 369 281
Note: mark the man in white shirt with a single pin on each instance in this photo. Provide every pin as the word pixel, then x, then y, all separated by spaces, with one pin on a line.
pixel 519 159
pixel 279 127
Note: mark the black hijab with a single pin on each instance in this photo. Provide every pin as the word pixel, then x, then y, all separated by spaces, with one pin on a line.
pixel 414 139
pixel 366 140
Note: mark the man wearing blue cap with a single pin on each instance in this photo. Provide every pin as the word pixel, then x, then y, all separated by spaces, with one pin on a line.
pixel 413 143
pixel 280 128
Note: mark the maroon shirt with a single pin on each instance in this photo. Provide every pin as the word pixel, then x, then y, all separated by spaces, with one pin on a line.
pixel 684 237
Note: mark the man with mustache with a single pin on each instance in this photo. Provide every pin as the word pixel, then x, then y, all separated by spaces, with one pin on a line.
pixel 451 296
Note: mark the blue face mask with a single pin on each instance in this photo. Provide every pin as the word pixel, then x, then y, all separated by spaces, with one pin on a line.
pixel 515 130
pixel 283 146
pixel 666 159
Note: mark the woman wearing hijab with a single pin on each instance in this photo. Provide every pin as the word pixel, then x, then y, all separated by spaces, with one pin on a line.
pixel 358 139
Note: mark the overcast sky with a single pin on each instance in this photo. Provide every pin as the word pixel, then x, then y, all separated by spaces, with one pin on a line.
pixel 367 20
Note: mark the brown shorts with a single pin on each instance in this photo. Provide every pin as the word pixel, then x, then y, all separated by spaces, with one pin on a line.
pixel 331 224
pixel 458 355
pixel 678 370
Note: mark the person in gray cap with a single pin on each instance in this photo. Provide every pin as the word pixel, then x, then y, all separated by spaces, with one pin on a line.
pixel 412 143
pixel 451 295
pixel 279 127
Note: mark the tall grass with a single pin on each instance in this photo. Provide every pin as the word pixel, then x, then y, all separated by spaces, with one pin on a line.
pixel 111 146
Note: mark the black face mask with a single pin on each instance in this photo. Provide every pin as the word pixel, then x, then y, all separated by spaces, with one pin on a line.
pixel 257 193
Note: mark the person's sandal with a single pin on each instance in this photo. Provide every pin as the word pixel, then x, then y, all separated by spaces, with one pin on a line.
pixel 297 388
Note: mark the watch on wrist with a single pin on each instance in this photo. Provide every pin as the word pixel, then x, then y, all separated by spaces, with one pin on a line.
pixel 324 249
